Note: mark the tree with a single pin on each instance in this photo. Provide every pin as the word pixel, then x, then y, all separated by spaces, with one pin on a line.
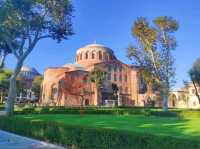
pixel 98 76
pixel 36 86
pixel 26 22
pixel 79 86
pixel 195 76
pixel 153 53
pixel 4 83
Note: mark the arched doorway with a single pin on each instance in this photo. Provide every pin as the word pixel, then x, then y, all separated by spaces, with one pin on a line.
pixel 87 102
pixel 172 100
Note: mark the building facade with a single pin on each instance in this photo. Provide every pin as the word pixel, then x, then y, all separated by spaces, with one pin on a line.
pixel 68 85
pixel 185 97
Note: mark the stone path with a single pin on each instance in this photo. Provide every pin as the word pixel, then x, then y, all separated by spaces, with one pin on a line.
pixel 2 113
pixel 13 141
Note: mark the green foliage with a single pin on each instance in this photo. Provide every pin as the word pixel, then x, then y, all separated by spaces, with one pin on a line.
pixel 195 76
pixel 98 76
pixel 195 72
pixel 23 23
pixel 93 138
pixel 36 85
pixel 153 52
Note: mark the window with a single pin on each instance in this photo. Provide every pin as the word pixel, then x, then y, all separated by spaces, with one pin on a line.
pixel 120 69
pixel 86 55
pixel 54 93
pixel 93 55
pixel 115 68
pixel 109 76
pixel 120 78
pixel 125 78
pixel 115 77
pixel 109 68
pixel 100 55
pixel 121 89
pixel 107 57
pixel 126 89
pixel 104 55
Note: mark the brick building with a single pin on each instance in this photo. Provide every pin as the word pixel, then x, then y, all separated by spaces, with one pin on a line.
pixel 68 85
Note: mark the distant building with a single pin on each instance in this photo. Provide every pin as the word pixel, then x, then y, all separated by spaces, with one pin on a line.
pixel 28 74
pixel 185 97
pixel 66 85
pixel 26 77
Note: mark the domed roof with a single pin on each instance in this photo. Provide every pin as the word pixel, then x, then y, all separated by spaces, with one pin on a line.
pixel 94 47
pixel 29 69
pixel 74 67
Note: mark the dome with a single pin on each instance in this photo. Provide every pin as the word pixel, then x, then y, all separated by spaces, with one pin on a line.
pixel 93 54
pixel 74 67
pixel 28 73
pixel 29 69
pixel 94 47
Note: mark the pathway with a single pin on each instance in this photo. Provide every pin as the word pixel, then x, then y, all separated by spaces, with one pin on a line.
pixel 13 141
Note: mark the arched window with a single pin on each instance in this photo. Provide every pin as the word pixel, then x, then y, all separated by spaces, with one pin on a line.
pixel 115 77
pixel 86 55
pixel 100 55
pixel 120 78
pixel 115 68
pixel 125 78
pixel 109 76
pixel 107 57
pixel 77 58
pixel 104 55
pixel 93 55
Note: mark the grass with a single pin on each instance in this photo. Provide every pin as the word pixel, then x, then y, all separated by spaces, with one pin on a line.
pixel 187 128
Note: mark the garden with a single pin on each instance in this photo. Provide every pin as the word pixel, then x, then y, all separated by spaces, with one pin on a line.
pixel 130 127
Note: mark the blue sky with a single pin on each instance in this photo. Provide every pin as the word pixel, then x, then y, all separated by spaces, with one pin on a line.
pixel 109 22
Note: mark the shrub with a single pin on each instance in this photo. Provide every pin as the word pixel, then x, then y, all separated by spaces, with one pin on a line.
pixel 92 138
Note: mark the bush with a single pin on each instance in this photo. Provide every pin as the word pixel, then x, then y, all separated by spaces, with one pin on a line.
pixel 92 138
pixel 87 110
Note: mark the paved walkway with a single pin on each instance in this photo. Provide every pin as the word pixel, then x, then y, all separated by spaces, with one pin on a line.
pixel 12 141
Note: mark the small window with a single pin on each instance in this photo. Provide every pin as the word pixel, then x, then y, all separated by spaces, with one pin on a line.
pixel 109 68
pixel 120 78
pixel 93 55
pixel 109 76
pixel 120 69
pixel 125 78
pixel 100 55
pixel 86 55
pixel 115 68
pixel 126 89
pixel 115 77
pixel 121 89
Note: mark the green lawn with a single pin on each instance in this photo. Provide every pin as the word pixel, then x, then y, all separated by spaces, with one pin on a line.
pixel 188 128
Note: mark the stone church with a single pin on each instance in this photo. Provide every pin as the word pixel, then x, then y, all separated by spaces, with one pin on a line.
pixel 68 85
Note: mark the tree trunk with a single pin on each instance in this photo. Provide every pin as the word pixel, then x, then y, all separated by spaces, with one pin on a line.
pixel 165 102
pixel 164 95
pixel 197 94
pixel 12 89
pixel 2 60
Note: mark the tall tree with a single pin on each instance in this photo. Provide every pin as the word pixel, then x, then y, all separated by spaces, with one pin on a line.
pixel 195 77
pixel 153 53
pixel 98 76
pixel 26 22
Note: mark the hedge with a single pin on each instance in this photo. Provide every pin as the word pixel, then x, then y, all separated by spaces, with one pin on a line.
pixel 92 138
pixel 88 110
